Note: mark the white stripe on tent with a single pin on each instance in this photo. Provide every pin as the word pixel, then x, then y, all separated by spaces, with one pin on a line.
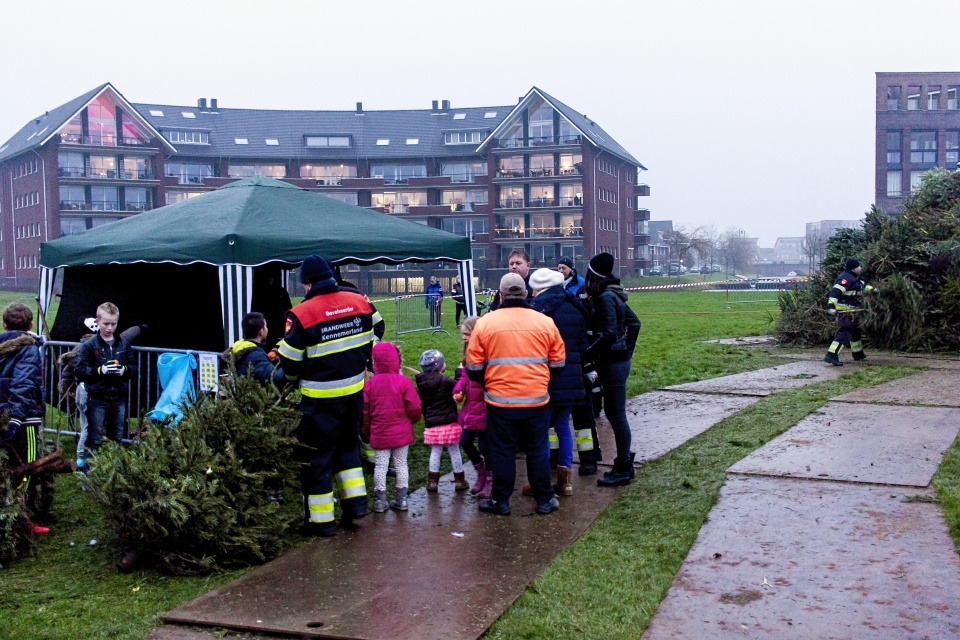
pixel 46 288
pixel 236 296
pixel 465 268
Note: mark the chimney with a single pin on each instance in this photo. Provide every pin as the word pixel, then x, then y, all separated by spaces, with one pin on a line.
pixel 213 104
pixel 436 106
pixel 359 107
pixel 446 105
pixel 201 103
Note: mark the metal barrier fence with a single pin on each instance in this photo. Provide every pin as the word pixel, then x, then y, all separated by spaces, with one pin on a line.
pixel 417 313
pixel 62 414
pixel 752 291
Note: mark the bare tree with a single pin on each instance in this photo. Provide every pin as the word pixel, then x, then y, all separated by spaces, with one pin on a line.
pixel 683 243
pixel 737 252
pixel 814 245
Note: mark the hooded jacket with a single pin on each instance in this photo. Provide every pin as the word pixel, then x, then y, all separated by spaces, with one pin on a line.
pixel 615 326
pixel 566 389
pixel 390 402
pixel 249 356
pixel 473 413
pixel 21 388
pixel 436 396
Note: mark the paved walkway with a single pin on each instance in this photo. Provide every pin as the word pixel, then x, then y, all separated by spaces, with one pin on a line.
pixel 430 582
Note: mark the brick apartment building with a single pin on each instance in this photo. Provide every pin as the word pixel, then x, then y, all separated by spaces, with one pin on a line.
pixel 537 175
pixel 918 128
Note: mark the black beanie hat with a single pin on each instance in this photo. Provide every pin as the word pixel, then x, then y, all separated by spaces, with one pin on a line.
pixel 566 260
pixel 317 271
pixel 851 264
pixel 602 265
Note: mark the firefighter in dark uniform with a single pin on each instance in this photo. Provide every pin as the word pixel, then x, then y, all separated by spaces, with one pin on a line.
pixel 328 339
pixel 845 301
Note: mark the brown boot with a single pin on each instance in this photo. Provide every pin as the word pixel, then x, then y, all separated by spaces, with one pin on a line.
pixel 433 480
pixel 459 482
pixel 527 490
pixel 564 486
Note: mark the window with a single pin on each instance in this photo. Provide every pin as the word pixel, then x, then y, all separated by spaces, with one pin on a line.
pixel 136 169
pixel 272 142
pixel 101 122
pixel 933 97
pixel 571 224
pixel 102 167
pixel 511 197
pixel 459 116
pixel 571 164
pixel 894 184
pixel 70 165
pixel 174 197
pixel 398 173
pixel 189 172
pixel 464 137
pixel 490 114
pixel 511 167
pixel 893 147
pixel 344 196
pixel 328 174
pixel 952 145
pixel 104 199
pixel 187 137
pixel 541 165
pixel 541 196
pixel 952 103
pixel 468 227
pixel 240 141
pixel 541 225
pixel 571 195
pixel 188 114
pixel 913 98
pixel 540 124
pixel 250 170
pixel 156 113
pixel 916 177
pixel 544 254
pixel 606 195
pixel 923 147
pixel 72 198
pixel 463 171
pixel 463 200
pixel 136 199
pixel 511 227
pixel 383 142
pixel 72 226
pixel 568 133
pixel 398 201
pixel 412 141
pixel 327 141
pixel 608 167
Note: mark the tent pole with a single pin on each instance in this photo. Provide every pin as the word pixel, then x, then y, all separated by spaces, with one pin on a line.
pixel 465 269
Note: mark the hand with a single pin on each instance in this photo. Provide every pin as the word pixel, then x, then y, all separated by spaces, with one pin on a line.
pixel 592 376
pixel 273 355
pixel 112 368
pixel 832 311
pixel 458 397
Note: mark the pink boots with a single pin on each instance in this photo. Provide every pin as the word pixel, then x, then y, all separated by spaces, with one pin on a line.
pixel 481 478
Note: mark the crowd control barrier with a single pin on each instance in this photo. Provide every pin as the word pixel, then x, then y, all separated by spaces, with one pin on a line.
pixel 416 313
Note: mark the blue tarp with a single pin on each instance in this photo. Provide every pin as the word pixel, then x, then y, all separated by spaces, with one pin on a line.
pixel 175 371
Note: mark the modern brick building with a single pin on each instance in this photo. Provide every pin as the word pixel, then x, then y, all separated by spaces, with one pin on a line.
pixel 537 175
pixel 918 128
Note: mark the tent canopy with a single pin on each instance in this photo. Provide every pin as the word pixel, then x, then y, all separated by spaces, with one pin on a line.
pixel 170 262
pixel 253 222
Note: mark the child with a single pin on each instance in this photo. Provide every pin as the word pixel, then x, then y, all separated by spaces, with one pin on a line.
pixel 390 407
pixel 106 365
pixel 473 419
pixel 440 418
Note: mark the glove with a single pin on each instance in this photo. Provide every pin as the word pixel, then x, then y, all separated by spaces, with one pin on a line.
pixel 592 376
pixel 832 311
pixel 112 368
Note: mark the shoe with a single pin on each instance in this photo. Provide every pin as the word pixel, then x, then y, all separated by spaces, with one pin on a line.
pixel 380 501
pixel 400 502
pixel 313 529
pixel 619 476
pixel 859 355
pixel 460 482
pixel 349 518
pixel 481 478
pixel 564 486
pixel 833 359
pixel 38 530
pixel 527 490
pixel 433 481
pixel 633 471
pixel 549 506
pixel 129 562
pixel 487 485
pixel 587 468
pixel 500 508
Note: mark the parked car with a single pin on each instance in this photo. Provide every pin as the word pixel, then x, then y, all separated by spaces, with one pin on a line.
pixel 705 269
pixel 654 271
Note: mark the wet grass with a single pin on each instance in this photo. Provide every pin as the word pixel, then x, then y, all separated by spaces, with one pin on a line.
pixel 609 583
pixel 947 483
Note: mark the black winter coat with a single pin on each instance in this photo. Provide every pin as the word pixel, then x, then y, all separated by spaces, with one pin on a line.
pixel 615 326
pixel 571 318
pixel 436 398
pixel 94 353
pixel 21 387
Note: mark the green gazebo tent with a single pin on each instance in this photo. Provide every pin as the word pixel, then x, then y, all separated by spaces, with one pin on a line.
pixel 175 266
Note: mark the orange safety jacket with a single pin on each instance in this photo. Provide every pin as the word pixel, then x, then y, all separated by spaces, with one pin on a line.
pixel 512 352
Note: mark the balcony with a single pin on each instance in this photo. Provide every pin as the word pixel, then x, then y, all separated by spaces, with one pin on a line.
pixel 641 189
pixel 572 172
pixel 641 215
pixel 329 181
pixel 78 205
pixel 106 174
pixel 539 203
pixel 101 140
pixel 532 233
pixel 642 238
pixel 540 141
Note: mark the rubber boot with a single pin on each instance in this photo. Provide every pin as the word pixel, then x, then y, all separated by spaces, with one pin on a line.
pixel 833 359
pixel 859 355
pixel 433 481
pixel 618 477
pixel 487 486
pixel 564 486
pixel 459 481
pixel 380 501
pixel 527 490
pixel 400 502
pixel 481 478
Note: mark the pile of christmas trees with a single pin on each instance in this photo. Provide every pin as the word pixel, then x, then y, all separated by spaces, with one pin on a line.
pixel 200 495
pixel 16 537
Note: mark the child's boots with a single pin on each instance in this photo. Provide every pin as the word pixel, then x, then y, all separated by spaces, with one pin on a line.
pixel 380 501
pixel 459 481
pixel 400 502
pixel 564 486
pixel 487 485
pixel 481 478
pixel 433 480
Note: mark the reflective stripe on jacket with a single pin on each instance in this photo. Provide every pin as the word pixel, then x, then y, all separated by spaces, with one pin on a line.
pixel 512 350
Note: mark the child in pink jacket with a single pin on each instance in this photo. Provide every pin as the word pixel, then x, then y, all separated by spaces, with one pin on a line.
pixel 390 408
pixel 473 419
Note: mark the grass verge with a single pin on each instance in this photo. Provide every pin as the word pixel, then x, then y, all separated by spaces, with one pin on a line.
pixel 609 583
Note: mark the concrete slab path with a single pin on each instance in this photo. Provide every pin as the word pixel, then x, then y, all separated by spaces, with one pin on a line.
pixel 763 382
pixel 928 388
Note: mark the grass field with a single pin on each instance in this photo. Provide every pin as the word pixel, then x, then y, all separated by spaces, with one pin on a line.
pixel 607 584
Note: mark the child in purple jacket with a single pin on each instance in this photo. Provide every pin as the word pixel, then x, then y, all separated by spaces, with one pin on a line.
pixel 391 406
pixel 473 419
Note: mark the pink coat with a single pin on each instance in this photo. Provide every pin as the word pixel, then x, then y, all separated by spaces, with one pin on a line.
pixel 473 413
pixel 390 401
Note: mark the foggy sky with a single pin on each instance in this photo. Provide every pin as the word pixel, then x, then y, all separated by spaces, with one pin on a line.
pixel 747 114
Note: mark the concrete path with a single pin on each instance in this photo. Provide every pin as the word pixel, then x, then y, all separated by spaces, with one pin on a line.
pixel 835 536
pixel 765 381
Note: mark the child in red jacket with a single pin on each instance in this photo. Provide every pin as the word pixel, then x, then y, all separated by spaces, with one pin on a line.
pixel 390 408
pixel 473 419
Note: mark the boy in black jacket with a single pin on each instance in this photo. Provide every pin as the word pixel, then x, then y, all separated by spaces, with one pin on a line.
pixel 106 365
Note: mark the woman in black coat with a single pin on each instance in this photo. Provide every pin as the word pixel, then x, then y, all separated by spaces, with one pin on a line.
pixel 615 329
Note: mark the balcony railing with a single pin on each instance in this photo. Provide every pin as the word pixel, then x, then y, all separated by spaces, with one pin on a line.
pixel 538 141
pixel 463 177
pixel 568 231
pixel 464 207
pixel 100 140
pixel 185 179
pixel 137 206
pixel 538 173
pixel 511 203
pixel 329 181
pixel 74 205
pixel 70 172
pixel 106 174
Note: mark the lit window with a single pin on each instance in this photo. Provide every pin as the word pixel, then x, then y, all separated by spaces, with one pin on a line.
pixel 382 142
pixel 272 142
pixel 464 137
pixel 459 116
pixel 490 114
pixel 188 114
pixel 156 113
pixel 413 140
pixel 240 141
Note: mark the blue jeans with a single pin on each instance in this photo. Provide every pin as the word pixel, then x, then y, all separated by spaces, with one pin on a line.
pixel 614 376
pixel 560 423
pixel 105 418
pixel 526 428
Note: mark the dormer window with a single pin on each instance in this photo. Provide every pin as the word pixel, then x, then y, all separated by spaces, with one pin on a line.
pixel 326 141
pixel 464 137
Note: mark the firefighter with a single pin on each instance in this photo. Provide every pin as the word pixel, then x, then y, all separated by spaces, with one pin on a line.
pixel 327 341
pixel 845 301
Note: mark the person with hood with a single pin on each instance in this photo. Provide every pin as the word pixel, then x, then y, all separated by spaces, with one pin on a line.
pixel 249 354
pixel 845 302
pixel 391 406
pixel 566 389
pixel 615 329
pixel 572 281
pixel 441 426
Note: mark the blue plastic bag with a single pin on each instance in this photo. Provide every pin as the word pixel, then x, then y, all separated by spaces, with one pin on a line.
pixel 176 379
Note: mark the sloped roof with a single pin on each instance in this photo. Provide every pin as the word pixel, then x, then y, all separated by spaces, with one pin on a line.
pixel 32 135
pixel 289 128
pixel 590 129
